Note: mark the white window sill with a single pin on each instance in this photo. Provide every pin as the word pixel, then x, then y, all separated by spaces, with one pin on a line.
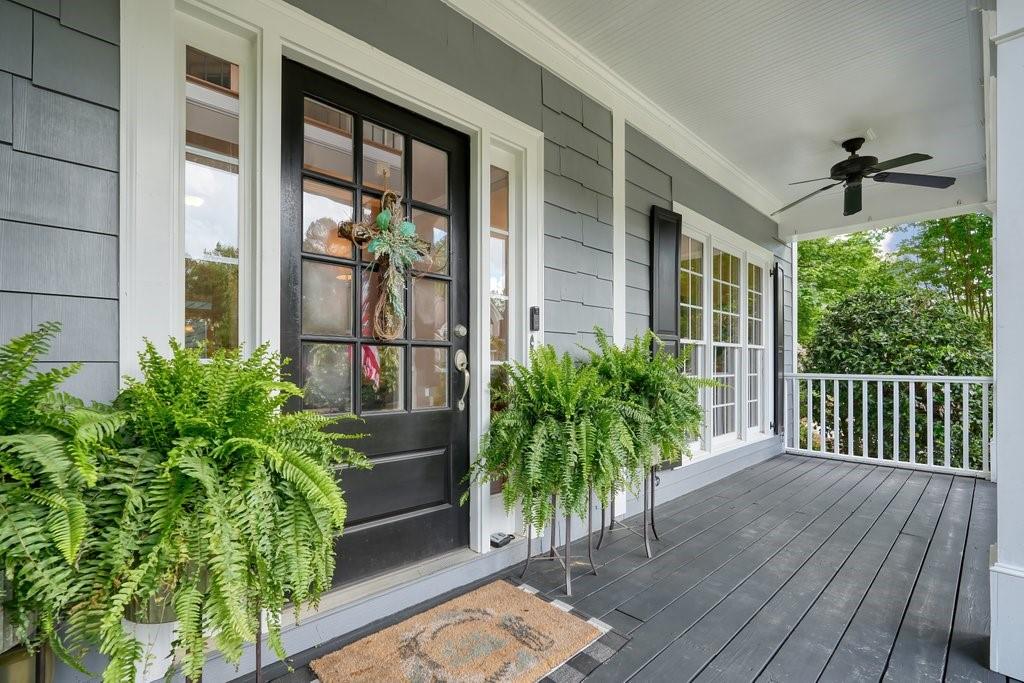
pixel 725 446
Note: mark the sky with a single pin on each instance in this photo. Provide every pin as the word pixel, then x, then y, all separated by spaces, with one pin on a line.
pixel 894 239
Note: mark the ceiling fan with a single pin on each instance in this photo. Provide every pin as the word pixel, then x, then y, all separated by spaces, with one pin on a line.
pixel 854 169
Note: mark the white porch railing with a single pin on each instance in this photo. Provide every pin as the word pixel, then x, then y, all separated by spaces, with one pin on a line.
pixel 933 423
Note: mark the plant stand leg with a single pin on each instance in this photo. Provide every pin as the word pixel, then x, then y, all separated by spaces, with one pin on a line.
pixel 611 522
pixel 590 529
pixel 259 647
pixel 600 538
pixel 654 484
pixel 529 549
pixel 647 541
pixel 554 521
pixel 568 558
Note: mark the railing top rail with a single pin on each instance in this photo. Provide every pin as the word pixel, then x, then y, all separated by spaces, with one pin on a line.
pixel 961 379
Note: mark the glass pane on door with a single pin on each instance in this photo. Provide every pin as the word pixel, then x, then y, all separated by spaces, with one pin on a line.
pixel 382 378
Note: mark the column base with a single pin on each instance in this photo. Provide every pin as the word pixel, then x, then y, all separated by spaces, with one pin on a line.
pixel 1007 599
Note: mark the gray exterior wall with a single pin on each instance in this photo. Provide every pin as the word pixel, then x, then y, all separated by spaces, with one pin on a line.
pixel 59 85
pixel 436 39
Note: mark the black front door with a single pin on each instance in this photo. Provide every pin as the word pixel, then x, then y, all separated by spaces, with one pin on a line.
pixel 342 148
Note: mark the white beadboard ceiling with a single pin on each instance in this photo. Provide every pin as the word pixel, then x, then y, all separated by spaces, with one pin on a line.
pixel 770 83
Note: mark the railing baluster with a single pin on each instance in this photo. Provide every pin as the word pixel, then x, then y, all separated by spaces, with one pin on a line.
pixel 912 410
pixel 896 421
pixel 881 432
pixel 931 427
pixel 836 430
pixel 849 416
pixel 945 417
pixel 984 427
pixel 864 417
pixel 821 412
pixel 810 420
pixel 965 425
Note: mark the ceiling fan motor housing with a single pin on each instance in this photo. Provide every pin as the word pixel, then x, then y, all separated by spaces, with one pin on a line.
pixel 855 166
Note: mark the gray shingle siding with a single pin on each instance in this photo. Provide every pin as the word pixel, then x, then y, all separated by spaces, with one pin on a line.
pixel 578 233
pixel 59 90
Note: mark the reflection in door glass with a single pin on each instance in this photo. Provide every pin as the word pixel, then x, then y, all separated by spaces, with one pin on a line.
pixel 429 309
pixel 429 377
pixel 327 140
pixel 323 208
pixel 326 299
pixel 327 377
pixel 429 174
pixel 432 228
pixel 383 151
pixel 382 378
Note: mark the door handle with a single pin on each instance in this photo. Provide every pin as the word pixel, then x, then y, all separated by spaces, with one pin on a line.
pixel 462 364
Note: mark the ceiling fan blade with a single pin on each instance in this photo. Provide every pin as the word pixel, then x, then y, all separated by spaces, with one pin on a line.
pixel 851 199
pixel 899 161
pixel 812 180
pixel 792 204
pixel 937 181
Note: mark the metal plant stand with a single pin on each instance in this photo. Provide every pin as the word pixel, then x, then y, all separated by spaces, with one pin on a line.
pixel 551 555
pixel 650 482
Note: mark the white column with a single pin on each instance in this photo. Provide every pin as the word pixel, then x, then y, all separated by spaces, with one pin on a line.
pixel 619 219
pixel 1007 574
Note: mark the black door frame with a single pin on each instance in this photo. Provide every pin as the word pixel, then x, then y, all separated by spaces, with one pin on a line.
pixel 424 531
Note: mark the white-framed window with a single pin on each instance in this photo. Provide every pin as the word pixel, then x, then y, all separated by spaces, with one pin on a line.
pixel 722 321
pixel 212 208
pixel 755 347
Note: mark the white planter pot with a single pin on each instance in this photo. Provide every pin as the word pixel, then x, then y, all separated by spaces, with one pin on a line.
pixel 157 651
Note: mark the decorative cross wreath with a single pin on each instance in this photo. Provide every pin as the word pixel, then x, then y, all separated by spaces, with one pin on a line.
pixel 392 240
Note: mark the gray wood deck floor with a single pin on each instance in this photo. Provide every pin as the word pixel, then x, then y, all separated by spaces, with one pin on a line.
pixel 796 569
pixel 800 569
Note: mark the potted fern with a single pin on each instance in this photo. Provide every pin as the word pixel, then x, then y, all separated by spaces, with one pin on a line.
pixel 217 506
pixel 656 398
pixel 557 435
pixel 49 459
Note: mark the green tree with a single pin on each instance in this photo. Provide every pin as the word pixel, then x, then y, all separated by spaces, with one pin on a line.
pixel 830 268
pixel 954 256
pixel 898 330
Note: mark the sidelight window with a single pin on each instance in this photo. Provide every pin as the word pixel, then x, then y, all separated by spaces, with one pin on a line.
pixel 211 202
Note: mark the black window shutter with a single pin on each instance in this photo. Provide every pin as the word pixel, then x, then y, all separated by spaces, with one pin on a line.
pixel 665 228
pixel 779 295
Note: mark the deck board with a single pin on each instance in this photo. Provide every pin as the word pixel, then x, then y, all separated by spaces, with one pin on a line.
pixel 756 642
pixel 796 569
pixel 968 644
pixel 923 638
pixel 841 524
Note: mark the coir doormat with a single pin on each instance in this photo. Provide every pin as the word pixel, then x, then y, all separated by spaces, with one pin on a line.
pixel 498 633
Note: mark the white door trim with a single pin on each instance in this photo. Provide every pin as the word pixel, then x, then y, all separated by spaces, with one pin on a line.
pixel 150 159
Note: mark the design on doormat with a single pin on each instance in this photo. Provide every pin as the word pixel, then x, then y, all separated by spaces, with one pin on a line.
pixel 499 633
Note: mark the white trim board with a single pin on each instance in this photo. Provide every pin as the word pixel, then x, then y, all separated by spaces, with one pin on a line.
pixel 533 35
pixel 152 144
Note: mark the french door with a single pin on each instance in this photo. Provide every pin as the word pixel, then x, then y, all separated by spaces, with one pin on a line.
pixel 342 148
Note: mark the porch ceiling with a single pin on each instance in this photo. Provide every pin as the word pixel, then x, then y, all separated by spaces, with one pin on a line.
pixel 770 85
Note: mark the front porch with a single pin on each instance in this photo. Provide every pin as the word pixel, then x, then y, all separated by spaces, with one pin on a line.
pixel 798 568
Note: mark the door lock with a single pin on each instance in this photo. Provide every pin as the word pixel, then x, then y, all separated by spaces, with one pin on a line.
pixel 461 331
